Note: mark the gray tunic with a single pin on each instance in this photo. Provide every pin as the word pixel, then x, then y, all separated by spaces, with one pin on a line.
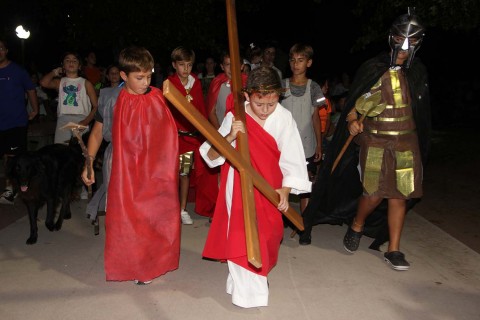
pixel 106 103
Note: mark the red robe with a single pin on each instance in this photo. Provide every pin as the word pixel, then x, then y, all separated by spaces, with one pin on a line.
pixel 203 179
pixel 221 245
pixel 142 221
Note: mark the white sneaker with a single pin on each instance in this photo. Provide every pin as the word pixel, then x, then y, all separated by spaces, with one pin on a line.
pixel 186 219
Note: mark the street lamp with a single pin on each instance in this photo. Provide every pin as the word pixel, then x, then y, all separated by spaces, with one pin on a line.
pixel 22 34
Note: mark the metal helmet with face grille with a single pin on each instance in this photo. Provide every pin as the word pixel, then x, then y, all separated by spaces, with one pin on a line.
pixel 406 34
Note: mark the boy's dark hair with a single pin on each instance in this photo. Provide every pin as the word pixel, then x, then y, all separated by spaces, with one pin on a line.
pixel 182 54
pixel 135 59
pixel 224 54
pixel 302 49
pixel 264 80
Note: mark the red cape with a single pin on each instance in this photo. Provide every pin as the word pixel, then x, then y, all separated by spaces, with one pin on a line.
pixel 142 221
pixel 265 157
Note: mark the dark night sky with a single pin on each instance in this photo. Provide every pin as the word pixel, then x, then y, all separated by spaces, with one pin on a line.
pixel 320 26
pixel 330 28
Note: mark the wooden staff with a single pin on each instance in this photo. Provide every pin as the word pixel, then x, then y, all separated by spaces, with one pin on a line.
pixel 248 200
pixel 212 135
pixel 345 146
pixel 368 105
pixel 76 129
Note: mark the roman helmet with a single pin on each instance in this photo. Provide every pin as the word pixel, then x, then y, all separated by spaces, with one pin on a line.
pixel 406 34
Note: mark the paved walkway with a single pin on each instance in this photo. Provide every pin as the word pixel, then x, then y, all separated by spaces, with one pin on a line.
pixel 61 277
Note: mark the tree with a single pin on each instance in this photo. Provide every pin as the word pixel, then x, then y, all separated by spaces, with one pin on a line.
pixel 454 16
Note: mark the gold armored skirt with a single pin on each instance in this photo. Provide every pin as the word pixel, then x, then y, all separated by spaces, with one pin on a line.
pixel 391 166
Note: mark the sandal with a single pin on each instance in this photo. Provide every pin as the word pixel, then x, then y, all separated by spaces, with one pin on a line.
pixel 351 241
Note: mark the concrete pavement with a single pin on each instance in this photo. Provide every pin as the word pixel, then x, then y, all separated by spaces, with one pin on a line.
pixel 62 277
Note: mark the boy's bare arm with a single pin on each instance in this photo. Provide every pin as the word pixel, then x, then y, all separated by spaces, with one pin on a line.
pixel 212 117
pixel 94 142
pixel 237 126
pixel 51 80
pixel 317 128
pixel 92 95
pixel 354 127
pixel 284 193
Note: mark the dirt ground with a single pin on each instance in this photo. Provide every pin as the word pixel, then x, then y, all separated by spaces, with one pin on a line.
pixel 452 185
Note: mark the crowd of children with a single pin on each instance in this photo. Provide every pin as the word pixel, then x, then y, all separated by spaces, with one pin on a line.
pixel 155 157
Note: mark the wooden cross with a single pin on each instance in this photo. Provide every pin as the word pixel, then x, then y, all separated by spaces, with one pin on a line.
pixel 248 200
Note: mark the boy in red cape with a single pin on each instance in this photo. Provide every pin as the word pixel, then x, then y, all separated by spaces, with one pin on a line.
pixel 190 139
pixel 142 239
pixel 277 154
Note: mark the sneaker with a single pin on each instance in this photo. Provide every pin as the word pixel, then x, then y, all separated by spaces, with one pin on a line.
pixel 351 241
pixel 142 283
pixel 396 260
pixel 186 219
pixel 7 197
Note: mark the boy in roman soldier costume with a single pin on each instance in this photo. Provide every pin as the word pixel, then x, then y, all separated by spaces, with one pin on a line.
pixel 391 148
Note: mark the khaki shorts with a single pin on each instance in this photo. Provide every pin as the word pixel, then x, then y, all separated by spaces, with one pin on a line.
pixel 186 163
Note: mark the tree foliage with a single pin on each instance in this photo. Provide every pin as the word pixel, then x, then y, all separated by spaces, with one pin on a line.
pixel 454 16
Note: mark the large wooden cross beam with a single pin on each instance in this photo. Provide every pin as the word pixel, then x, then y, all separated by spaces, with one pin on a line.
pixel 248 200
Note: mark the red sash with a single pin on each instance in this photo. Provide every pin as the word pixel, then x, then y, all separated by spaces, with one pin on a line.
pixel 265 157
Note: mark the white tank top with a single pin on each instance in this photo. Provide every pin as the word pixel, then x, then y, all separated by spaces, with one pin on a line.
pixel 72 97
pixel 302 111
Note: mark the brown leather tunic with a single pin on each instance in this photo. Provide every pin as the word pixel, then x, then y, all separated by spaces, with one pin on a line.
pixel 390 158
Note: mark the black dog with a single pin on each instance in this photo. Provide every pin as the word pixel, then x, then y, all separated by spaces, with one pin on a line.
pixel 48 175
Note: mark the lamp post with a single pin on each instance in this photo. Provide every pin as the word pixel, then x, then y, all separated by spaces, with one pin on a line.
pixel 22 34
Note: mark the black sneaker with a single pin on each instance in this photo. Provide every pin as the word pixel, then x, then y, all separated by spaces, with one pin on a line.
pixel 351 240
pixel 142 283
pixel 396 260
pixel 7 197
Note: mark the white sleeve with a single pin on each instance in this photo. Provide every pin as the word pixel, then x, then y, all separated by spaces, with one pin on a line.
pixel 292 158
pixel 223 130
